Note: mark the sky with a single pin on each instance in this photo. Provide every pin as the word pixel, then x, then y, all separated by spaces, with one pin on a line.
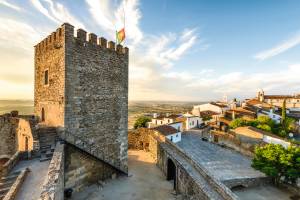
pixel 194 50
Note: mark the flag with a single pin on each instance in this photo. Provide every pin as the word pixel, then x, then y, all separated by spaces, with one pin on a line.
pixel 120 35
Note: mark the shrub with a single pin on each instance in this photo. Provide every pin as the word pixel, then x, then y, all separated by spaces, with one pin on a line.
pixel 141 122
pixel 237 123
pixel 276 161
pixel 264 127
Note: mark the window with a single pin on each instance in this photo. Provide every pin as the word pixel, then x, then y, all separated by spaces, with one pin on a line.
pixel 43 114
pixel 172 138
pixel 46 77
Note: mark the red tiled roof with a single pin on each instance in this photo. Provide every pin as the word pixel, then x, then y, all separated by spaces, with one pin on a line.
pixel 166 130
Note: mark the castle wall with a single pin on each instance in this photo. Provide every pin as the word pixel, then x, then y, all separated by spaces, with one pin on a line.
pixel 97 96
pixel 82 169
pixel 8 127
pixel 50 55
pixel 18 133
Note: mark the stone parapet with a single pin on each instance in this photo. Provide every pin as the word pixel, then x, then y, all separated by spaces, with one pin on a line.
pixel 53 188
pixel 11 194
pixel 5 169
pixel 53 40
pixel 218 186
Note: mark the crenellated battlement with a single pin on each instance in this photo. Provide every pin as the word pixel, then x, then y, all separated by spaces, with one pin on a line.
pixel 66 30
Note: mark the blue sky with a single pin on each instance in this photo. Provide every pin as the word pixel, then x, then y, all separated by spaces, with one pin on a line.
pixel 179 50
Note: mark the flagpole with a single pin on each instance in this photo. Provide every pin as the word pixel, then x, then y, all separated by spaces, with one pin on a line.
pixel 124 21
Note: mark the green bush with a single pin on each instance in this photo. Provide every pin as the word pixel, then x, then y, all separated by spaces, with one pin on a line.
pixel 141 122
pixel 276 161
pixel 264 127
pixel 237 123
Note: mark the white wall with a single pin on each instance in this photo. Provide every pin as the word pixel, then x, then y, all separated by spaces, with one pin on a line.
pixel 176 137
pixel 273 140
pixel 206 107
pixel 192 122
pixel 178 126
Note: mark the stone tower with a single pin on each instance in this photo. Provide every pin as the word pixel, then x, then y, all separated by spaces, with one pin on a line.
pixel 260 95
pixel 81 87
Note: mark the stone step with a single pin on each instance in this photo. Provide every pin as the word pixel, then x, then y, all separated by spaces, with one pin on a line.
pixel 6 183
pixel 8 178
pixel 49 153
pixel 2 196
pixel 44 158
pixel 4 190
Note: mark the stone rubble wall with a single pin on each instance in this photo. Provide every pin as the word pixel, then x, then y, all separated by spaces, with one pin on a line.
pixel 53 187
pixel 230 141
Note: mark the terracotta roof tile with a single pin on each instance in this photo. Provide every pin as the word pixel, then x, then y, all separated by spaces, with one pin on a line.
pixel 166 130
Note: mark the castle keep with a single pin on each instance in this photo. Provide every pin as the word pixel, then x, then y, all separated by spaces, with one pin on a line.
pixel 81 87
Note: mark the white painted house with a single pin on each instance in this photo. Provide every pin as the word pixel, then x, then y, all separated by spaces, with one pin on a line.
pixel 169 132
pixel 190 121
pixel 162 120
pixel 219 108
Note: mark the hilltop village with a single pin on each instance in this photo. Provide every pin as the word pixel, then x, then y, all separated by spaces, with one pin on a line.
pixel 77 144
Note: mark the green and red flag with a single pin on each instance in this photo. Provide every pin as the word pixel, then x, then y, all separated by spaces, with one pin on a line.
pixel 120 35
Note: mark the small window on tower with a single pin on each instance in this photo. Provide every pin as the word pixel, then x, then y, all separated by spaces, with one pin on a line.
pixel 46 77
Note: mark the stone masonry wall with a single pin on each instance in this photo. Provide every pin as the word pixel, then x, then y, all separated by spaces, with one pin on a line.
pixel 50 55
pixel 18 133
pixel 96 110
pixel 8 127
pixel 53 187
pixel 82 169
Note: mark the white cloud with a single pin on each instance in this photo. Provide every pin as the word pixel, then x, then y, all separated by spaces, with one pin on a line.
pixel 110 17
pixel 56 12
pixel 278 49
pixel 17 35
pixel 238 83
pixel 151 56
pixel 10 5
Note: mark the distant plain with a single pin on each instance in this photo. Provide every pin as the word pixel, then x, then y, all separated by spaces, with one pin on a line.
pixel 135 108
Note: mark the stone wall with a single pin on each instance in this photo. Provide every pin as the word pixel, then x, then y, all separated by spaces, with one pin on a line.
pixel 49 55
pixel 82 169
pixel 8 127
pixel 189 175
pixel 228 139
pixel 138 139
pixel 8 165
pixel 53 187
pixel 18 132
pixel 192 181
pixel 97 95
pixel 145 139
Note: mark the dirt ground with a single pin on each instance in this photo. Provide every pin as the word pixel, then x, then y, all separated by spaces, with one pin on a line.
pixel 145 182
